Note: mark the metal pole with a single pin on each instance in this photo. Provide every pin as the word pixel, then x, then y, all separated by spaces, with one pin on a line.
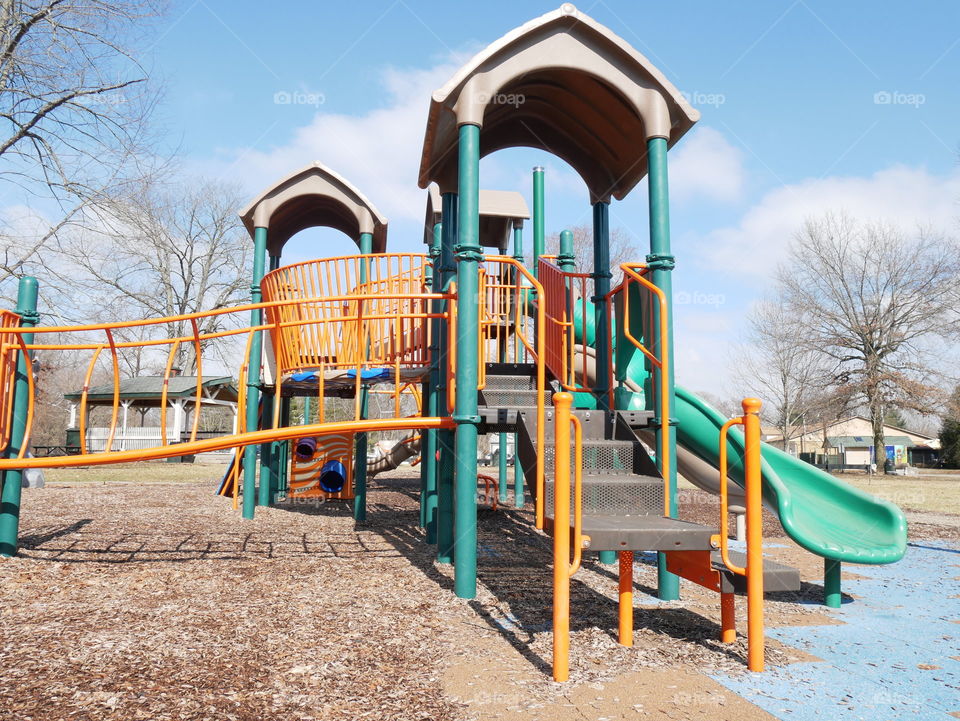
pixel 428 448
pixel 518 492
pixel 561 538
pixel 566 259
pixel 601 286
pixel 445 438
pixel 538 218
pixel 253 374
pixel 13 480
pixel 270 453
pixel 360 464
pixel 661 262
pixel 754 500
pixel 832 596
pixel 469 255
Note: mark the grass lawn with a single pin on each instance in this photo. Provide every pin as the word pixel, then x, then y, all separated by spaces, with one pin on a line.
pixel 145 472
pixel 935 491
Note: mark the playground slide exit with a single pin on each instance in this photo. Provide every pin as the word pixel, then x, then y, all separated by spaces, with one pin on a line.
pixel 820 512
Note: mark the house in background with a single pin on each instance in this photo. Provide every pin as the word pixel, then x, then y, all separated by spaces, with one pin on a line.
pixel 848 443
pixel 182 401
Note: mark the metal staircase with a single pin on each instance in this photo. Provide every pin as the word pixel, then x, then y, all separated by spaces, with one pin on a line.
pixel 622 490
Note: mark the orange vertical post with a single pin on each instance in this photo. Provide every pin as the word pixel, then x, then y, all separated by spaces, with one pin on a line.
pixel 754 498
pixel 561 538
pixel 728 618
pixel 626 598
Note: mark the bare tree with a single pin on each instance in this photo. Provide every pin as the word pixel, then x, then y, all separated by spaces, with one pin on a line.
pixel 871 300
pixel 778 364
pixel 73 104
pixel 164 251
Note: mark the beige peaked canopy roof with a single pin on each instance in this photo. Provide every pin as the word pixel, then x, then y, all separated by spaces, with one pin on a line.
pixel 500 212
pixel 565 84
pixel 311 197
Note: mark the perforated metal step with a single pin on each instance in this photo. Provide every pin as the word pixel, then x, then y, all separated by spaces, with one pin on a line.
pixel 614 495
pixel 643 533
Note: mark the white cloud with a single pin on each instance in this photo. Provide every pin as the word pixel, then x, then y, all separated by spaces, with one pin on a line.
pixel 378 150
pixel 705 165
pixel 909 197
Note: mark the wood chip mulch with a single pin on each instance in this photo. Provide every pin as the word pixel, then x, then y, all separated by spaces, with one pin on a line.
pixel 158 602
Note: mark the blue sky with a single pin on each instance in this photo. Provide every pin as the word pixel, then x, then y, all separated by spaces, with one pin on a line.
pixel 806 106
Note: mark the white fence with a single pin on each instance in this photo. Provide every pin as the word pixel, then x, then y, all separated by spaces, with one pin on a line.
pixel 136 439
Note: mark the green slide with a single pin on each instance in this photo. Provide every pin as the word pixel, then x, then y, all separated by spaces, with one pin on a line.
pixel 820 512
pixel 817 510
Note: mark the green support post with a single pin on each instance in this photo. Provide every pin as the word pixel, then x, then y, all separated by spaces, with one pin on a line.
pixel 360 464
pixel 445 438
pixel 661 262
pixel 601 286
pixel 518 491
pixel 539 239
pixel 307 410
pixel 282 450
pixel 832 597
pixel 270 453
pixel 566 259
pixel 253 374
pixel 428 448
pixel 27 290
pixel 465 414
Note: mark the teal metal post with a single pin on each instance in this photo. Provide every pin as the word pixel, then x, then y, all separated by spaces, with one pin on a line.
pixel 282 451
pixel 661 262
pixel 832 596
pixel 13 480
pixel 253 374
pixel 601 286
pixel 469 256
pixel 270 453
pixel 518 491
pixel 360 465
pixel 566 260
pixel 307 410
pixel 428 449
pixel 445 438
pixel 539 211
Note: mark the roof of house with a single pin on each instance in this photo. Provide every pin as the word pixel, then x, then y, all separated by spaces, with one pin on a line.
pixel 866 441
pixel 150 388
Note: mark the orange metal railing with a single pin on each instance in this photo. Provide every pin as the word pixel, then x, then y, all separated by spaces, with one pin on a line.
pixel 563 567
pixel 566 301
pixel 509 305
pixel 657 354
pixel 754 504
pixel 382 323
pixel 9 352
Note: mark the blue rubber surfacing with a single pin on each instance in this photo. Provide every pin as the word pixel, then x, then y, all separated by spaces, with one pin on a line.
pixel 892 657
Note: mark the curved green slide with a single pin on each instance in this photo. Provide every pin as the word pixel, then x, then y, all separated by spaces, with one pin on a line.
pixel 817 510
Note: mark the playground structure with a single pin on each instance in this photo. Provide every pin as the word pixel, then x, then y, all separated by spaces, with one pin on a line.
pixel 579 370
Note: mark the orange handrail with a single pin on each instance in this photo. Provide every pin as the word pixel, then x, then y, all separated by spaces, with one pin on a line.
pixel 521 298
pixel 754 504
pixel 662 363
